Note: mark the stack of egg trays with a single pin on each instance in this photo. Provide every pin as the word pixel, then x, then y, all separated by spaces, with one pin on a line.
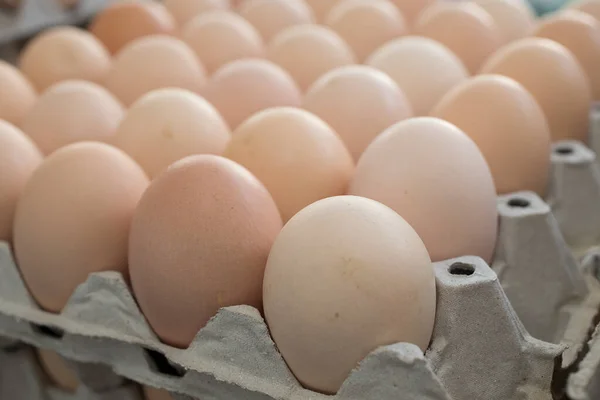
pixel 520 329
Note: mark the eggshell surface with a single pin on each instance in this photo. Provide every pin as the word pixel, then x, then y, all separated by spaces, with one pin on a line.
pixel 167 125
pixel 434 176
pixel 423 68
pixel 17 94
pixel 412 9
pixel 321 8
pixel 199 241
pixel 270 17
pixel 297 156
pixel 591 7
pixel 336 273
pixel 359 103
pixel 514 18
pixel 72 111
pixel 534 62
pixel 185 10
pixel 156 394
pixel 57 370
pixel 73 219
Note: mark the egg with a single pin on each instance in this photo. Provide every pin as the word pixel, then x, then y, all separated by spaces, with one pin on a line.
pixel 185 10
pixel 358 102
pixel 366 25
pixel 297 156
pixel 580 33
pixel 412 9
pixel 167 125
pixel 591 7
pixel 219 37
pixel 72 111
pixel 534 62
pixel 156 394
pixel 19 157
pixel 199 241
pixel 309 51
pixel 270 17
pixel 243 87
pixel 423 68
pixel 122 22
pixel 321 8
pixel 154 62
pixel 58 371
pixel 464 27
pixel 514 18
pixel 73 219
pixel 337 272
pixel 508 126
pixel 433 175
pixel 17 94
pixel 63 53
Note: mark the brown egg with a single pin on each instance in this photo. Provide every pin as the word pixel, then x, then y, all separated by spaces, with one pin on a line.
pixel 534 62
pixel 219 37
pixel 167 125
pixel 591 7
pixel 56 368
pixel 508 126
pixel 423 68
pixel 366 25
pixel 17 95
pixel 514 18
pixel 72 111
pixel 185 10
pixel 73 219
pixel 309 51
pixel 321 8
pixel 154 62
pixel 465 28
pixel 580 33
pixel 199 241
pixel 412 9
pixel 270 17
pixel 156 394
pixel 63 53
pixel 123 22
pixel 422 168
pixel 336 273
pixel 359 103
pixel 296 155
pixel 243 87
pixel 18 159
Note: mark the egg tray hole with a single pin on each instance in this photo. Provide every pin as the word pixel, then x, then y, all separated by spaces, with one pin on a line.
pixel 48 331
pixel 462 269
pixel 159 363
pixel 518 202
pixel 564 150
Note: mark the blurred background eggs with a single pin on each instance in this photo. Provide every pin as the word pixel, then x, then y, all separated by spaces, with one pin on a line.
pixel 270 17
pixel 185 10
pixel 17 94
pixel 514 18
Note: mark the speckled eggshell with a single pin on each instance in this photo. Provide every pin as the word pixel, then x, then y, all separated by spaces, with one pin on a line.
pixel 534 62
pixel 17 94
pixel 199 241
pixel 359 102
pixel 337 273
pixel 167 125
pixel 72 111
pixel 185 10
pixel 19 157
pixel 295 154
pixel 270 17
pixel 433 175
pixel 73 219
pixel 514 18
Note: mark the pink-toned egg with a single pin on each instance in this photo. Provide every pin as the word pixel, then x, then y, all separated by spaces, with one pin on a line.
pixel 514 18
pixel 17 94
pixel 243 87
pixel 199 241
pixel 72 111
pixel 270 17
pixel 309 51
pixel 591 7
pixel 154 62
pixel 185 10
pixel 219 37
pixel 321 8
pixel 412 9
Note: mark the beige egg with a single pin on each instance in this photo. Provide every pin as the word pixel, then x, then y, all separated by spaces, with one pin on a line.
pixel 591 7
pixel 58 371
pixel 321 8
pixel 72 111
pixel 243 87
pixel 19 157
pixel 219 37
pixel 185 10
pixel 514 18
pixel 534 62
pixel 336 273
pixel 464 27
pixel 508 126
pixel 270 17
pixel 359 103
pixel 366 25
pixel 199 241
pixel 17 94
pixel 423 68
pixel 167 125
pixel 412 9
pixel 580 33
pixel 156 394
pixel 154 62
pixel 63 53
pixel 309 51
pixel 422 168
pixel 298 157
pixel 73 219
